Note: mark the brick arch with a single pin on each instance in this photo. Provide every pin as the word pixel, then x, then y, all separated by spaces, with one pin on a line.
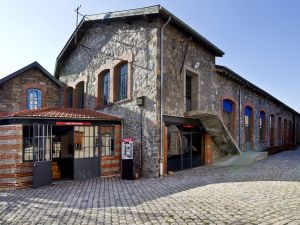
pixel 249 138
pixel 234 114
pixel 115 80
pixel 99 86
pixel 34 86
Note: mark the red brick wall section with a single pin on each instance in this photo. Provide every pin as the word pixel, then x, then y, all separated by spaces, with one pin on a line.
pixel 13 92
pixel 111 165
pixel 13 172
pixel 208 149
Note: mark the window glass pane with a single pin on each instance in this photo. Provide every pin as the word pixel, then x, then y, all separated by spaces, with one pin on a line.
pixel 227 106
pixel 106 87
pixel 84 141
pixel 107 141
pixel 188 93
pixel 34 99
pixel 123 76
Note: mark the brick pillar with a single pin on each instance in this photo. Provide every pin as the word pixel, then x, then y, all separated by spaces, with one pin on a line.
pixel 207 149
pixel 13 172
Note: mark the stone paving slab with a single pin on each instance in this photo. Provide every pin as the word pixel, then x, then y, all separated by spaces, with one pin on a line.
pixel 265 192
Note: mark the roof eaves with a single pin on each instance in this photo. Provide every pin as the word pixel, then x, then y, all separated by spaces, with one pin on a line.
pixel 253 86
pixel 207 43
pixel 35 64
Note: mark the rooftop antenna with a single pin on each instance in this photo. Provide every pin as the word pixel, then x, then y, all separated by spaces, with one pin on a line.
pixel 77 14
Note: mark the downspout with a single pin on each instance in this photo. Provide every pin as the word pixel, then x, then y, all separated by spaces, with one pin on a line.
pixel 161 170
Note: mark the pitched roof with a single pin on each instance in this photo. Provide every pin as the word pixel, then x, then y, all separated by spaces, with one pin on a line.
pixel 61 113
pixel 28 67
pixel 145 12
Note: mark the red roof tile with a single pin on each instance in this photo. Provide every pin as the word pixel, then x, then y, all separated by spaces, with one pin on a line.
pixel 62 113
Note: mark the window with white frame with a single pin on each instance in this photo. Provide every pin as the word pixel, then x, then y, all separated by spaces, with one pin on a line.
pixel 34 99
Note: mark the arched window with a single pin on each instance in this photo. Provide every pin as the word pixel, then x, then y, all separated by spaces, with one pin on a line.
pixel 279 132
pixel 291 135
pixel 285 132
pixel 34 99
pixel 80 95
pixel 262 125
pixel 272 130
pixel 121 81
pixel 69 103
pixel 228 115
pixel 248 127
pixel 104 88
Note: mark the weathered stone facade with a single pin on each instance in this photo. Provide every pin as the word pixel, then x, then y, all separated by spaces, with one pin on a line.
pixel 135 39
pixel 13 91
pixel 138 44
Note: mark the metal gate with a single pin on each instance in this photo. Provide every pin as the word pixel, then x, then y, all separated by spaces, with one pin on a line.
pixel 42 165
pixel 86 153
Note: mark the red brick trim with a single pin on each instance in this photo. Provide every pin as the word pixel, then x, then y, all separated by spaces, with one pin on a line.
pixel 252 123
pixel 234 114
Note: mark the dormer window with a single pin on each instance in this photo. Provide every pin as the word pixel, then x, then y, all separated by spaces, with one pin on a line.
pixel 34 99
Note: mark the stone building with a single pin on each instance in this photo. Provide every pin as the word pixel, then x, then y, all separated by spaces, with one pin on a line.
pixel 158 74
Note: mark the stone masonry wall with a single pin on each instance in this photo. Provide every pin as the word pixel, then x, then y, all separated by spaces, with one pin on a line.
pixel 13 172
pixel 174 89
pixel 13 92
pixel 228 89
pixel 138 44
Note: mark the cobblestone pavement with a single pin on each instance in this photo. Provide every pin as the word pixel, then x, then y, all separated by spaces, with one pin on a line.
pixel 265 192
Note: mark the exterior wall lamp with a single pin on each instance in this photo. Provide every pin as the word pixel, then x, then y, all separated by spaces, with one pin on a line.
pixel 140 101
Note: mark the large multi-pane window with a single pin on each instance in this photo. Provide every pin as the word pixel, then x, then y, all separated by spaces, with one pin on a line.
pixel 107 141
pixel 34 99
pixel 84 141
pixel 228 115
pixel 37 142
pixel 262 125
pixel 104 88
pixel 121 81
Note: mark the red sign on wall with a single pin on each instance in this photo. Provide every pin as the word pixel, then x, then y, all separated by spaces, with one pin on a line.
pixel 73 123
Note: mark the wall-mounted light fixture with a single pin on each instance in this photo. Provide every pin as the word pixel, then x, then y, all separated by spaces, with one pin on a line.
pixel 140 101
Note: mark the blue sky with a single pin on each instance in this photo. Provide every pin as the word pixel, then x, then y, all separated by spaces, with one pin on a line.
pixel 260 38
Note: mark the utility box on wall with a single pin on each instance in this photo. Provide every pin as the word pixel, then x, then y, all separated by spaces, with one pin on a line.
pixel 127 158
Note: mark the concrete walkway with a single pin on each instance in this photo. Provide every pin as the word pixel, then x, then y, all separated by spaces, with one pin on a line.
pixel 264 192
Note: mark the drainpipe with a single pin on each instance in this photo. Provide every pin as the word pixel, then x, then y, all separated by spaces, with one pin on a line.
pixel 161 95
